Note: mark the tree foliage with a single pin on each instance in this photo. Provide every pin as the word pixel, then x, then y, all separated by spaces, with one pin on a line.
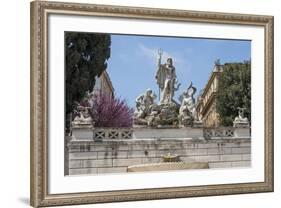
pixel 108 111
pixel 234 91
pixel 85 59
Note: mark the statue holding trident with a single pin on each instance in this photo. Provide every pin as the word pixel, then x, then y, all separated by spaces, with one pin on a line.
pixel 166 79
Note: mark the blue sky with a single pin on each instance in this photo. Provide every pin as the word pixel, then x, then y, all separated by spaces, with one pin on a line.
pixel 133 62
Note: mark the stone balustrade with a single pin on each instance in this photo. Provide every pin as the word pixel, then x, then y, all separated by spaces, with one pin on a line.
pixel 112 133
pixel 98 133
pixel 210 133
pixel 226 132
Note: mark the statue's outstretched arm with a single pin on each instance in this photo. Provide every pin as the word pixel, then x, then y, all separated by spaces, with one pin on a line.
pixel 139 98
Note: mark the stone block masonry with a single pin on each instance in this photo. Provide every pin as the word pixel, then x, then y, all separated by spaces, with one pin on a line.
pixel 115 155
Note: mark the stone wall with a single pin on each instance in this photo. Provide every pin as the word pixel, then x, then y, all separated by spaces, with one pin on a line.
pixel 115 155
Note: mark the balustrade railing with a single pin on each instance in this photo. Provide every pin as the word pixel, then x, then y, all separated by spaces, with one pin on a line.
pixel 218 132
pixel 113 133
pixel 127 133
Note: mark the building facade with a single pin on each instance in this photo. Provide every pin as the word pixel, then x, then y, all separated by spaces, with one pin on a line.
pixel 104 85
pixel 206 105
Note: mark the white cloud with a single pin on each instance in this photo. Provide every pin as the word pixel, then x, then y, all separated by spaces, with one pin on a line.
pixel 152 54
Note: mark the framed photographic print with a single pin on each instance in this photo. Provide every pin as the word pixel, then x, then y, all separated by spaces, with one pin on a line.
pixel 144 103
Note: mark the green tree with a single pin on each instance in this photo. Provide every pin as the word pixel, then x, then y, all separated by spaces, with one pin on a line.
pixel 234 91
pixel 86 56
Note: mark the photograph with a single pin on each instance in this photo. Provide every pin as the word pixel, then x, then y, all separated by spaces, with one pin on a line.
pixel 138 103
pixel 141 103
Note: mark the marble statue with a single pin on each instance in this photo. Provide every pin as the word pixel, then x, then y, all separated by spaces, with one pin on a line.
pixel 82 110
pixel 187 112
pixel 163 115
pixel 144 103
pixel 83 115
pixel 166 79
pixel 167 112
pixel 149 113
pixel 241 120
pixel 153 118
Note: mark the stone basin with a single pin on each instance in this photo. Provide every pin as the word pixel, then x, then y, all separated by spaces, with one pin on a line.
pixel 171 158
pixel 167 166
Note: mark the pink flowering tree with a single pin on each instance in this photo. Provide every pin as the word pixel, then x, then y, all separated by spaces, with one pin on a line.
pixel 111 112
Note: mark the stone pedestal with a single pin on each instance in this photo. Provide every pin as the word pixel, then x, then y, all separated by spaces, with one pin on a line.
pixel 82 132
pixel 241 132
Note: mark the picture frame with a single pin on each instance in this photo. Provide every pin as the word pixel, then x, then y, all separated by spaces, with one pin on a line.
pixel 40 105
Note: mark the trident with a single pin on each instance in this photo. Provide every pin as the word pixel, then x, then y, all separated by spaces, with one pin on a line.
pixel 160 53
